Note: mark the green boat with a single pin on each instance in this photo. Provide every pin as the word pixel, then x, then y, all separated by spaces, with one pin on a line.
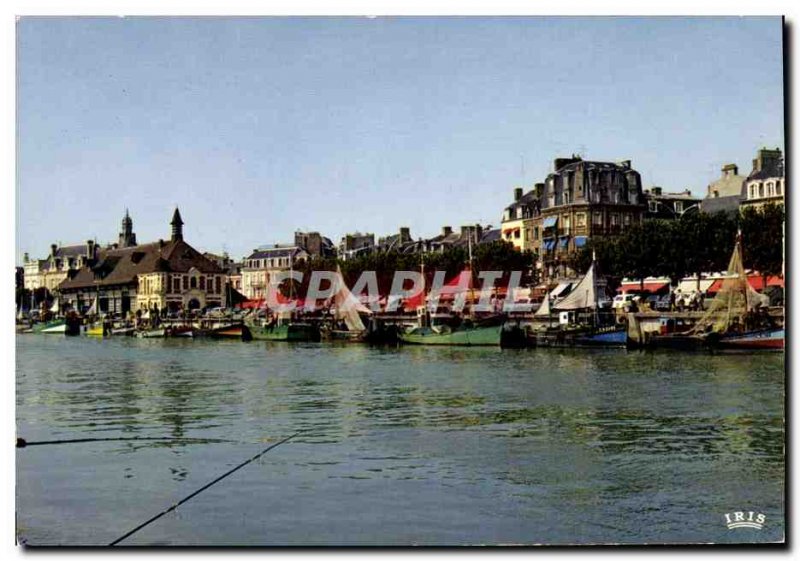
pixel 292 331
pixel 445 335
pixel 53 327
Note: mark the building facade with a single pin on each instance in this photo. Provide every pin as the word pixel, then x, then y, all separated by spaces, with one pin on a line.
pixel 766 183
pixel 580 200
pixel 669 206
pixel 518 218
pixel 49 273
pixel 163 275
pixel 353 245
pixel 262 264
pixel 724 194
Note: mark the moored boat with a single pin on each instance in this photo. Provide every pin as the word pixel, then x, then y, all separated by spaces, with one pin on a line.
pixel 152 333
pixel 290 331
pixel 445 335
pixel 765 339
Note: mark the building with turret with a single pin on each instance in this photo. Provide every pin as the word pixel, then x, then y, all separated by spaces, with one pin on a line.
pixel 766 183
pixel 161 275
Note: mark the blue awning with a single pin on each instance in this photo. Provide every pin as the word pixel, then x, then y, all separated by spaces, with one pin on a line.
pixel 563 241
pixel 550 222
pixel 549 244
pixel 580 241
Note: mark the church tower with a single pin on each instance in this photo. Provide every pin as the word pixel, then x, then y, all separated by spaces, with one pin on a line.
pixel 126 236
pixel 177 226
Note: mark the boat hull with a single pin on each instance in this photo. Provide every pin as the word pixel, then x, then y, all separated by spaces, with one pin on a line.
pixel 473 337
pixel 770 339
pixel 292 332
pixel 152 334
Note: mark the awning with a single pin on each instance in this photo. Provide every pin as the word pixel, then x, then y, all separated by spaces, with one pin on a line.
pixel 756 283
pixel 549 244
pixel 252 304
pixel 510 230
pixel 649 286
pixel 580 241
pixel 563 241
pixel 550 222
pixel 687 286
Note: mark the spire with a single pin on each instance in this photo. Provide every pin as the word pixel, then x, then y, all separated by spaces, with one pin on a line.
pixel 177 225
pixel 126 236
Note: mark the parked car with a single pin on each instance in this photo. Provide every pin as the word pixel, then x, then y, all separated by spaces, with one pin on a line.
pixel 622 301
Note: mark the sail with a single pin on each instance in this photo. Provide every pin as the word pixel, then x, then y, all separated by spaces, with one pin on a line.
pixel 20 315
pixel 93 308
pixel 348 306
pixel 55 307
pixel 583 295
pixel 544 309
pixel 734 300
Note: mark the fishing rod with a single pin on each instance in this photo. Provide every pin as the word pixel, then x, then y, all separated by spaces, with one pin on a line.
pixel 22 443
pixel 204 487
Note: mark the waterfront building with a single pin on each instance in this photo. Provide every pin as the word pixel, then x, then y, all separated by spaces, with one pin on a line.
pixel 263 263
pixel 766 183
pixel 579 200
pixel 353 245
pixel 518 218
pixel 49 273
pixel 724 194
pixel 154 276
pixel 669 206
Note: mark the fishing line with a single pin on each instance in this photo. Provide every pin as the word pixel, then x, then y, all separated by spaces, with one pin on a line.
pixel 204 487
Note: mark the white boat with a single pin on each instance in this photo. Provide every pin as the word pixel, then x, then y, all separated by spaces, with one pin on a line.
pixel 152 333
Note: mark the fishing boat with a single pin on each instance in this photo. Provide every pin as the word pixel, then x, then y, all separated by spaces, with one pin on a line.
pixel 282 330
pixel 468 333
pixel 579 316
pixel 181 331
pixel 96 330
pixel 124 331
pixel 735 318
pixel 347 310
pixel 53 327
pixel 468 336
pixel 156 333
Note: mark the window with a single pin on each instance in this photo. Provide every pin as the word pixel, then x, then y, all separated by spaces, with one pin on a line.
pixel 653 206
pixel 626 219
pixel 778 188
pixel 678 207
pixel 193 282
pixel 597 218
pixel 202 283
pixel 760 190
pixel 580 220
pixel 770 189
pixel 176 285
pixel 517 234
pixel 615 219
pixel 186 283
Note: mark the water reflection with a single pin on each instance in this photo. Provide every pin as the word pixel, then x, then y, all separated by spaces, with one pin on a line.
pixel 576 437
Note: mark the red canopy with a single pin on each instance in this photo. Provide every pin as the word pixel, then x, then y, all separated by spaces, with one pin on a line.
pixel 651 286
pixel 756 282
pixel 252 304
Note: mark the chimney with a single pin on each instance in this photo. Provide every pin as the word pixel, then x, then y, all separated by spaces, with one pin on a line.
pixel 559 163
pixel 517 194
pixel 625 164
pixel 26 257
pixel 89 249
pixel 539 188
pixel 730 169
pixel 446 230
pixel 654 190
pixel 53 249
pixel 405 234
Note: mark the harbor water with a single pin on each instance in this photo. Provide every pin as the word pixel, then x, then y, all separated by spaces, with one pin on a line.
pixel 411 445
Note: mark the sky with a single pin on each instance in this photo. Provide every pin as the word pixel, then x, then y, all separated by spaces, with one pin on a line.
pixel 257 127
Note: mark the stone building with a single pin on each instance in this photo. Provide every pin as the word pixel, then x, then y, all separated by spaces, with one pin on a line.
pixel 315 244
pixel 669 206
pixel 353 245
pixel 262 264
pixel 724 194
pixel 579 200
pixel 159 275
pixel 766 183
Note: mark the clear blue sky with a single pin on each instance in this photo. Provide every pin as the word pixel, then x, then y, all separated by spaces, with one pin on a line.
pixel 258 127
